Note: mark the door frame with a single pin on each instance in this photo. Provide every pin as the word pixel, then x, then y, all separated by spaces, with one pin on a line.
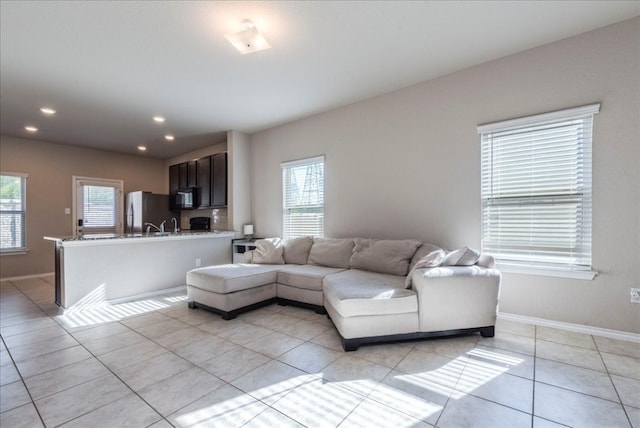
pixel 79 181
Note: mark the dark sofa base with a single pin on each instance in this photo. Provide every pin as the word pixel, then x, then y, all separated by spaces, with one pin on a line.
pixel 353 344
pixel 347 344
pixel 229 315
pixel 286 302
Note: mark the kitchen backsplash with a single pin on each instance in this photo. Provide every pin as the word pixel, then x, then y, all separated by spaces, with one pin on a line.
pixel 219 219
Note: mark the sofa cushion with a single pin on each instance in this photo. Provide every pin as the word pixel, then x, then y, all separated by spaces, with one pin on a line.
pixel 383 255
pixel 463 257
pixel 268 251
pixel 225 279
pixel 305 276
pixel 355 293
pixel 296 250
pixel 331 252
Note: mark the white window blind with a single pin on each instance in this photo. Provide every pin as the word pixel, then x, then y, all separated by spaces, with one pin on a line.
pixel 99 206
pixel 536 190
pixel 13 212
pixel 303 197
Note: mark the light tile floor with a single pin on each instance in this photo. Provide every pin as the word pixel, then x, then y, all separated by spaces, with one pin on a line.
pixel 156 363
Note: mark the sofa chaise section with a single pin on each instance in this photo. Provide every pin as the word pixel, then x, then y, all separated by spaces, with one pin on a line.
pixel 232 289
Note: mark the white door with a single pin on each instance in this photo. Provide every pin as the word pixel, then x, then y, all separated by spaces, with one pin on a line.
pixel 98 206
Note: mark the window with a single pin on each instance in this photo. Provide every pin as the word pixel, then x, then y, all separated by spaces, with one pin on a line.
pixel 303 190
pixel 12 212
pixel 536 192
pixel 97 205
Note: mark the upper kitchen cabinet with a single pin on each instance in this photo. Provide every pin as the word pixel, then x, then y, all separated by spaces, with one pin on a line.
pixel 204 180
pixel 182 175
pixel 219 180
pixel 209 174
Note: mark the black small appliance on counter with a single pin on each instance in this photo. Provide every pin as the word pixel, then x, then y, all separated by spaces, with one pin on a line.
pixel 200 223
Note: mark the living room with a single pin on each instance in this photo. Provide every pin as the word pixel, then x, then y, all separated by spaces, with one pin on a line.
pixel 406 164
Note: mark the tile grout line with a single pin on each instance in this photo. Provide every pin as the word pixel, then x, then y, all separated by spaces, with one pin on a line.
pixel 82 383
pixel 33 403
pixel 606 367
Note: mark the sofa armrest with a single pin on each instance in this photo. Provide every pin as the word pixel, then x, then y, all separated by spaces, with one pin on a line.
pixel 456 297
pixel 248 256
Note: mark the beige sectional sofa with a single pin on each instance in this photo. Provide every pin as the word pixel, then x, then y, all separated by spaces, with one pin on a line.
pixel 373 290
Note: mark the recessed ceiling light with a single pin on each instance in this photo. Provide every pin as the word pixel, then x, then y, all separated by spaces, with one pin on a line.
pixel 48 111
pixel 169 137
pixel 142 148
pixel 31 128
pixel 248 40
pixel 158 119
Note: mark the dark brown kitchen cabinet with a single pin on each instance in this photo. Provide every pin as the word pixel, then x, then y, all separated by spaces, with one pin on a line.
pixel 204 181
pixel 174 179
pixel 219 180
pixel 192 174
pixel 209 174
pixel 182 175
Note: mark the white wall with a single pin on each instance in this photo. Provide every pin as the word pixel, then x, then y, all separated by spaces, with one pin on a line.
pixel 407 164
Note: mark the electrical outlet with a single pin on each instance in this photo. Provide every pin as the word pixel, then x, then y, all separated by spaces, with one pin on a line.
pixel 635 295
pixel 198 262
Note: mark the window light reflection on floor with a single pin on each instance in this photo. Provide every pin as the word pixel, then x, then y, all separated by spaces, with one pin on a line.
pixel 95 309
pixel 441 380
pixel 229 412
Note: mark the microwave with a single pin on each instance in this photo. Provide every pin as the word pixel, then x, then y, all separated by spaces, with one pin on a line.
pixel 187 198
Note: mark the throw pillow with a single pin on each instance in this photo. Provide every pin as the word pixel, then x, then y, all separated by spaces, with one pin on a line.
pixel 431 260
pixel 485 260
pixel 268 251
pixel 296 250
pixel 383 255
pixel 331 252
pixel 425 249
pixel 463 257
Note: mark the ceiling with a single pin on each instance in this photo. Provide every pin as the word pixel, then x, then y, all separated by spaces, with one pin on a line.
pixel 108 67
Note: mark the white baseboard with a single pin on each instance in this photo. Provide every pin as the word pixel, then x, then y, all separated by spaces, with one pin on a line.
pixel 578 328
pixel 148 295
pixel 35 275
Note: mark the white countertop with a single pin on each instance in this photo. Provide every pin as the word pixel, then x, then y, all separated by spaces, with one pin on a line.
pixel 112 238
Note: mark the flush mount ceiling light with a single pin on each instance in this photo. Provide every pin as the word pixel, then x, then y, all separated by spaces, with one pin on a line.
pixel 48 111
pixel 31 128
pixel 158 119
pixel 169 137
pixel 142 148
pixel 248 40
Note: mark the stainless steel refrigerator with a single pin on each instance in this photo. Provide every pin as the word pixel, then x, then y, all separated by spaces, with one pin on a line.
pixel 146 207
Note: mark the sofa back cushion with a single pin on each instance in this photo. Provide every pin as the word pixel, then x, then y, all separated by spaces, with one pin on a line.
pixel 268 251
pixel 331 252
pixel 296 250
pixel 383 255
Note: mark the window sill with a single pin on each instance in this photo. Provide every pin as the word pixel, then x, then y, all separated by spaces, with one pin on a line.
pixel 586 275
pixel 14 252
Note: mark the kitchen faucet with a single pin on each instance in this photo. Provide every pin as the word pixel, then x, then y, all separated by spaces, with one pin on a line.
pixel 175 225
pixel 159 229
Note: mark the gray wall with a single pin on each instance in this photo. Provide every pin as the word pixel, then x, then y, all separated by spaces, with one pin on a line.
pixel 407 164
pixel 49 191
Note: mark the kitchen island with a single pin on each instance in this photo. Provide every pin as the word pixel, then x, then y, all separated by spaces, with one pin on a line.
pixel 107 267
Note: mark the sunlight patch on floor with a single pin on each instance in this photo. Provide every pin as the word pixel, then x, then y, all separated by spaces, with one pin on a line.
pixel 94 309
